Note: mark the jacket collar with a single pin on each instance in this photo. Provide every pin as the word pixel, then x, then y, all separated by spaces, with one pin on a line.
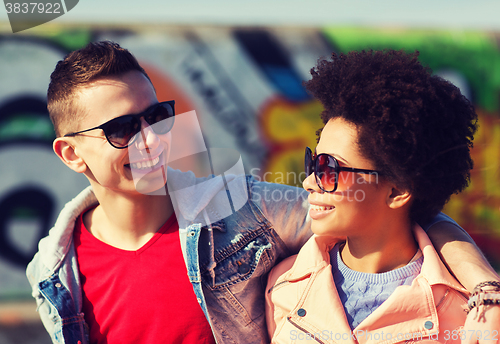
pixel 54 248
pixel 433 268
pixel 316 253
pixel 313 256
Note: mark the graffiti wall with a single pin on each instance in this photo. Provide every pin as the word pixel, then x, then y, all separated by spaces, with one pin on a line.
pixel 246 88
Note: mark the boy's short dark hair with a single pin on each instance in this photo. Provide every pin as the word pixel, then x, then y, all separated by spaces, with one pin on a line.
pixel 78 68
pixel 417 128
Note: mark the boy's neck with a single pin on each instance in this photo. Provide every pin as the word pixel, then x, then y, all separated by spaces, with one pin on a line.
pixel 128 221
pixel 389 246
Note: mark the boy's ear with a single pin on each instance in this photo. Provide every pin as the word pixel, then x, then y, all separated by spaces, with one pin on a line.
pixel 398 198
pixel 65 150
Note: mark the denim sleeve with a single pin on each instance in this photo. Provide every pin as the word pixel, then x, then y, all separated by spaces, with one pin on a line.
pixel 45 311
pixel 286 208
pixel 443 217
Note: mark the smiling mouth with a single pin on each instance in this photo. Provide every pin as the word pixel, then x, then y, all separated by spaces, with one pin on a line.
pixel 321 208
pixel 145 165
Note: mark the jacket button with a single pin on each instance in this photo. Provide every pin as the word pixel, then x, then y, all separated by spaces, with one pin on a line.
pixel 243 268
pixel 301 312
pixel 58 285
pixel 428 325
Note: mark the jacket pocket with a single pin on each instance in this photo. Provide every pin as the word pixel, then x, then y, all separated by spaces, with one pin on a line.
pixel 247 256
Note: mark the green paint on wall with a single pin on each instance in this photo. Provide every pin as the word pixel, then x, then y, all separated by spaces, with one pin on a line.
pixel 475 55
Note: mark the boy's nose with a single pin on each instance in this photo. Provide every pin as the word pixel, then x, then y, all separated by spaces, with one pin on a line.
pixel 148 138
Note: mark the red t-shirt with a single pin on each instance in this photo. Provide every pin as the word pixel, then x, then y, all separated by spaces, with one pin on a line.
pixel 141 296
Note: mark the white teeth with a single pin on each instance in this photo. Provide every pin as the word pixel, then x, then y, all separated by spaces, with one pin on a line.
pixel 320 208
pixel 145 164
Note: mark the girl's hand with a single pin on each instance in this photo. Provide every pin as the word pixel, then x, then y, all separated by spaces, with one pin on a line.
pixel 482 325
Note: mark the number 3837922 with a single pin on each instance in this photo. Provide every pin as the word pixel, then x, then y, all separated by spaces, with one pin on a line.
pixel 33 7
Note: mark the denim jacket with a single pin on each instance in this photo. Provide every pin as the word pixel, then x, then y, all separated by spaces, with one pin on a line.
pixel 228 254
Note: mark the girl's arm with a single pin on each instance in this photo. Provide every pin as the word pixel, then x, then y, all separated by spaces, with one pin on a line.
pixel 464 260
pixel 461 255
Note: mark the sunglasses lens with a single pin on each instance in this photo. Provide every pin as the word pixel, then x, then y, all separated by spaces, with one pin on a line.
pixel 161 119
pixel 121 130
pixel 326 172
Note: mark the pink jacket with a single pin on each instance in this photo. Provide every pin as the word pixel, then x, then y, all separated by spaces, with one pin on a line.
pixel 302 303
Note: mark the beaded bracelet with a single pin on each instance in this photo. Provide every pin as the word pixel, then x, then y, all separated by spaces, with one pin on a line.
pixel 484 298
pixel 479 288
pixel 481 297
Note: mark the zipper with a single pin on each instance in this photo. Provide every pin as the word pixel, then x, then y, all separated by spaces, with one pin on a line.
pixel 288 281
pixel 304 330
pixel 442 299
pixel 276 285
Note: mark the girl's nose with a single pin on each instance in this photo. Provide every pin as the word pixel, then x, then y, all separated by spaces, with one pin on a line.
pixel 310 185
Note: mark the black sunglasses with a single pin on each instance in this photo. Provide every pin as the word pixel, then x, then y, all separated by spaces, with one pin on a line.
pixel 122 131
pixel 326 170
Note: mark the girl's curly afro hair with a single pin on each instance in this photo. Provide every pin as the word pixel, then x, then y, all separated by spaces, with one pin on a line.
pixel 417 128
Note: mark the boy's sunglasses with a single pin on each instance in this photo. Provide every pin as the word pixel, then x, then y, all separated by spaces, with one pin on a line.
pixel 326 170
pixel 122 131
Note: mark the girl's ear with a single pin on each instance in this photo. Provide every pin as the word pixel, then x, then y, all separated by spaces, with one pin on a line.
pixel 397 198
pixel 65 149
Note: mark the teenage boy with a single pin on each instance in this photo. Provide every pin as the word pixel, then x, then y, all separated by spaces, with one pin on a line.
pixel 117 267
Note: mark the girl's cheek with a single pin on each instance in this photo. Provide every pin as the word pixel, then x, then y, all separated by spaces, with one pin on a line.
pixel 346 180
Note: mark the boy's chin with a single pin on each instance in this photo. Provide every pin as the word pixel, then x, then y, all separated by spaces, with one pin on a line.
pixel 151 186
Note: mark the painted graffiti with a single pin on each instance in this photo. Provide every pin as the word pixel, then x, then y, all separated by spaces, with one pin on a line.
pixel 246 88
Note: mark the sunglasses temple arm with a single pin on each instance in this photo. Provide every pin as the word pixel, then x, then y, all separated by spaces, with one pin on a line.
pixel 358 170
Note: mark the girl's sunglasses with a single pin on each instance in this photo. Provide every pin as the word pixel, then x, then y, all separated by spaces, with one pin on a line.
pixel 122 131
pixel 326 170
